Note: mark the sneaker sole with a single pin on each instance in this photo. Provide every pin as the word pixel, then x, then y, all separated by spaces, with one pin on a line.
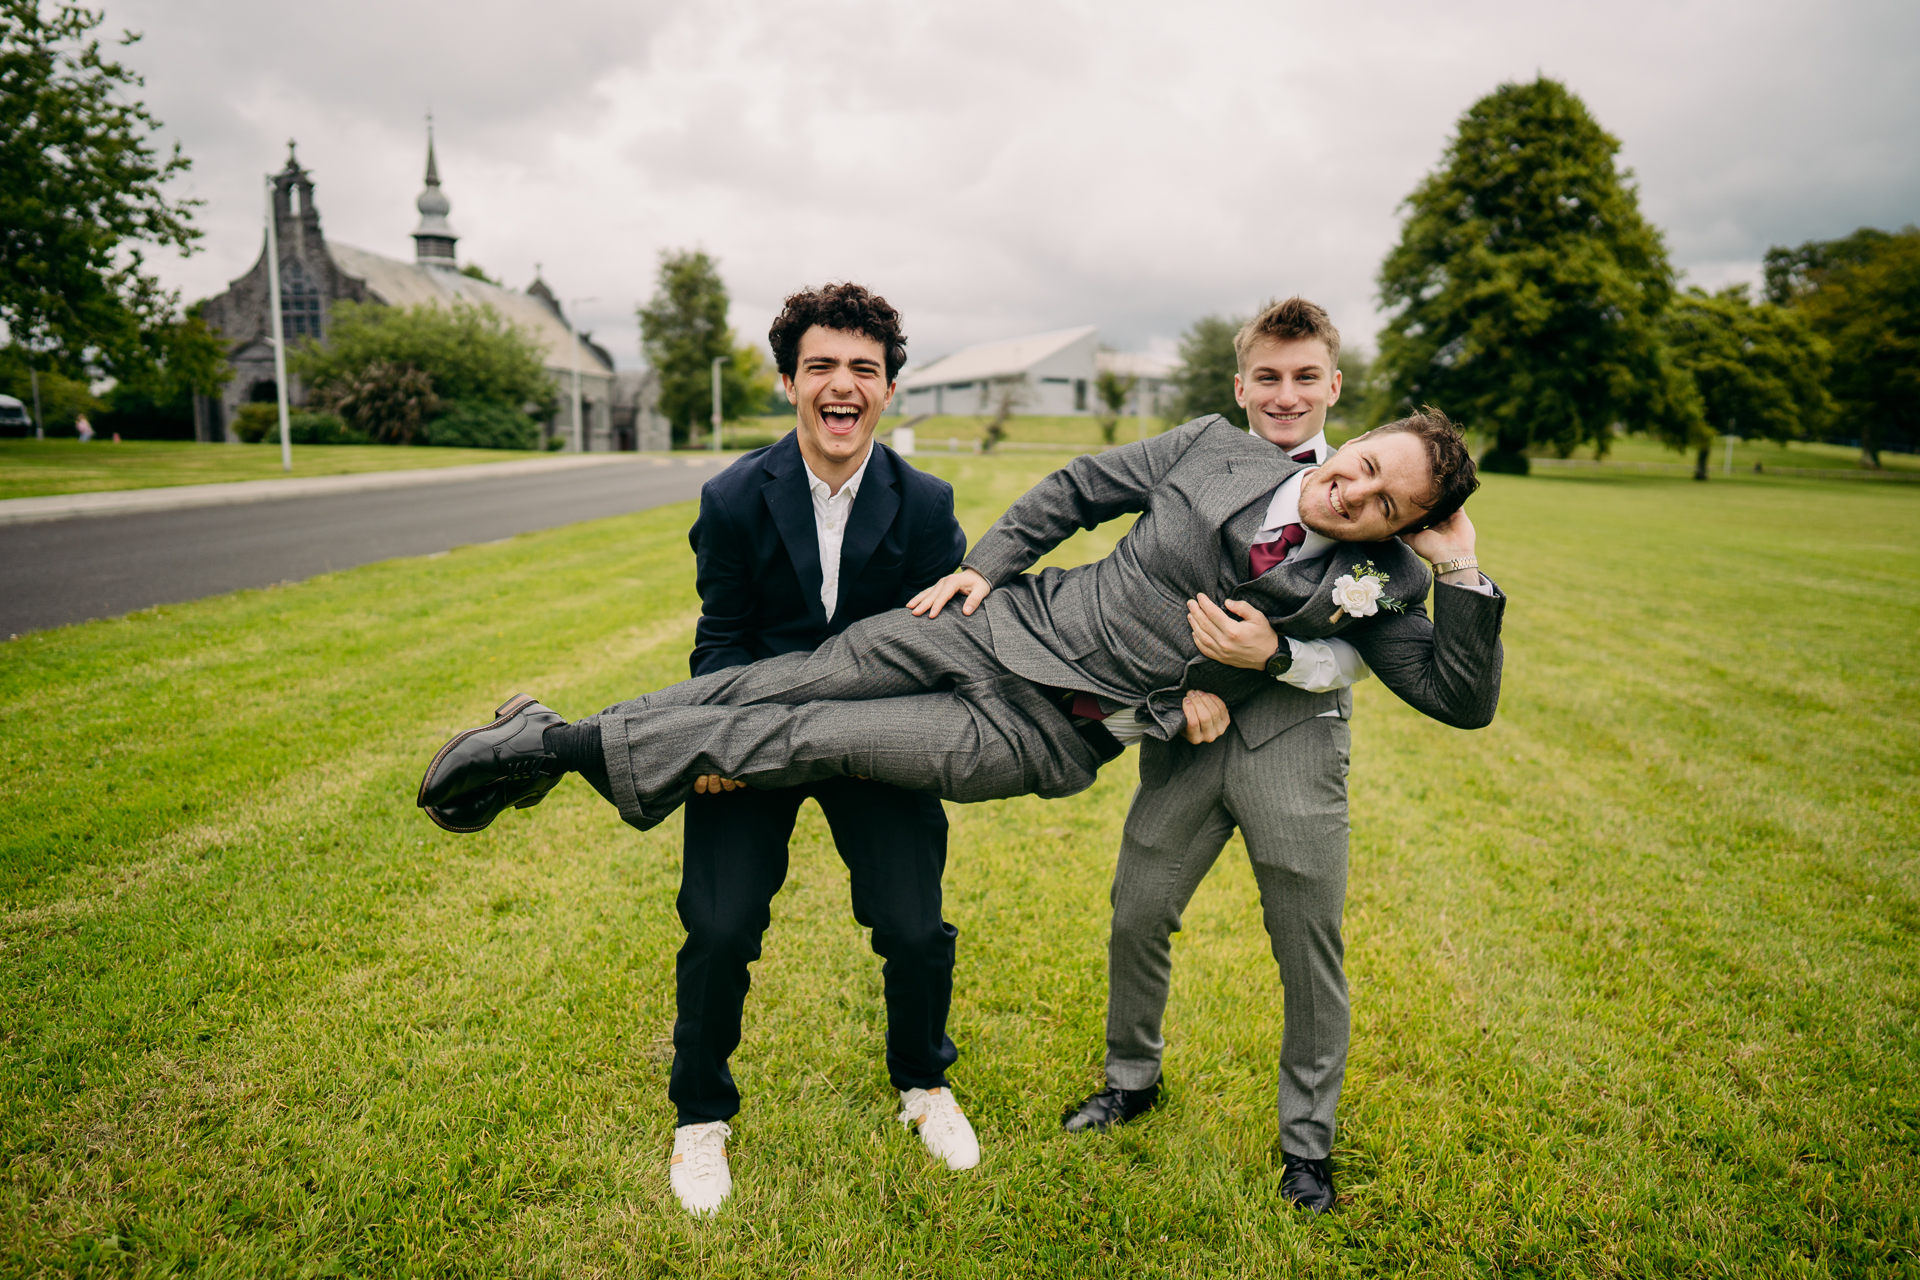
pixel 504 712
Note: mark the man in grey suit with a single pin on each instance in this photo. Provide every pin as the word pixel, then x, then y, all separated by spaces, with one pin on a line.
pixel 1024 695
pixel 1280 776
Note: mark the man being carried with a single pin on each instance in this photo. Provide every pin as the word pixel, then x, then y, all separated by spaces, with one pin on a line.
pixel 979 704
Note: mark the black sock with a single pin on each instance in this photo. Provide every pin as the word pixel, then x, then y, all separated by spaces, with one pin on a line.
pixel 577 747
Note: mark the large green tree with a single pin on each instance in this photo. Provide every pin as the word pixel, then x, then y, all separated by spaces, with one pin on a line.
pixel 1203 383
pixel 470 353
pixel 1527 292
pixel 458 375
pixel 83 194
pixel 1862 294
pixel 1760 371
pixel 683 329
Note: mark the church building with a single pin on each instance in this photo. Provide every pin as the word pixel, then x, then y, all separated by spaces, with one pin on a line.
pixel 618 408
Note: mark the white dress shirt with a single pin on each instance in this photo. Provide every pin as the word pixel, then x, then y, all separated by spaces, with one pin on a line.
pixel 830 512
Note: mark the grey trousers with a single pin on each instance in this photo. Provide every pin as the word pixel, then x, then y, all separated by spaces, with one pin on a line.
pixel 921 703
pixel 1289 799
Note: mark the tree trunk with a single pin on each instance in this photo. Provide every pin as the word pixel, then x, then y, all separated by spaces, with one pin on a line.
pixel 1700 462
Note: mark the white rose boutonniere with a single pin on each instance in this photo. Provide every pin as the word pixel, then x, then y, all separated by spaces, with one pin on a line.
pixel 1362 593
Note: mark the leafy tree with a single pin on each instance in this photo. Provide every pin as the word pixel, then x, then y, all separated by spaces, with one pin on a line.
pixel 153 399
pixel 683 329
pixel 473 271
pixel 1203 383
pixel 466 353
pixel 1862 294
pixel 1113 391
pixel 1356 407
pixel 62 398
pixel 1761 371
pixel 387 401
pixel 1527 291
pixel 1005 397
pixel 84 188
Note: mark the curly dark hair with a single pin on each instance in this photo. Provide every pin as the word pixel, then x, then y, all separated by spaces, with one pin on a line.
pixel 1454 475
pixel 850 308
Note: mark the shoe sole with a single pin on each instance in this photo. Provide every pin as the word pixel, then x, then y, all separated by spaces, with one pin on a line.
pixel 504 712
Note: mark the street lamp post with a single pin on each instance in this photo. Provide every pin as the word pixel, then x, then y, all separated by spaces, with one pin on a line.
pixel 579 430
pixel 279 334
pixel 717 362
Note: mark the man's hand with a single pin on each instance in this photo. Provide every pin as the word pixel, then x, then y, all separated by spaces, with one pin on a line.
pixel 712 784
pixel 1451 539
pixel 1248 641
pixel 1206 717
pixel 935 597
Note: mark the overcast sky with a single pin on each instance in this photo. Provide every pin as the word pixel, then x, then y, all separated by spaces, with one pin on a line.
pixel 1003 167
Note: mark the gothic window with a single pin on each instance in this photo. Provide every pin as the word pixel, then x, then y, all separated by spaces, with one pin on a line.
pixel 299 301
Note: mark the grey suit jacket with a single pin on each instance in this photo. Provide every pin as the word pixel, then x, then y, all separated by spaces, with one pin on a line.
pixel 1117 628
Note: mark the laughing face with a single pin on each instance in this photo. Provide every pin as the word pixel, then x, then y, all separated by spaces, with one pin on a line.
pixel 1370 490
pixel 840 389
pixel 1287 388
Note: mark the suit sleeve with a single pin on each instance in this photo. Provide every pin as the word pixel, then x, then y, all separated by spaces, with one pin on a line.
pixel 725 582
pixel 1447 667
pixel 937 548
pixel 1086 493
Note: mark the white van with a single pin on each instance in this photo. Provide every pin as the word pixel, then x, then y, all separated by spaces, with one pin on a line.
pixel 14 418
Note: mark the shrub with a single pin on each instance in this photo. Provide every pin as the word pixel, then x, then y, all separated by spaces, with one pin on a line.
pixel 260 424
pixel 389 402
pixel 477 424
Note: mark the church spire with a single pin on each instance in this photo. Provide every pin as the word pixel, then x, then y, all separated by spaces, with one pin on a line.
pixel 434 238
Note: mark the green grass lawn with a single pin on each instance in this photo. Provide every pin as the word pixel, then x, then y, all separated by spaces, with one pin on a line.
pixel 1635 982
pixel 36 468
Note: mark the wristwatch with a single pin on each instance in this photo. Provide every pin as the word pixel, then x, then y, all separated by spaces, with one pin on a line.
pixel 1282 660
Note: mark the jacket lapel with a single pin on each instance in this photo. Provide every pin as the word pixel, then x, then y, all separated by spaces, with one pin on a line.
pixel 873 511
pixel 1248 494
pixel 788 499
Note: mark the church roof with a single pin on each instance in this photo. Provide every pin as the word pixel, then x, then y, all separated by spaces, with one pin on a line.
pixel 403 284
pixel 996 359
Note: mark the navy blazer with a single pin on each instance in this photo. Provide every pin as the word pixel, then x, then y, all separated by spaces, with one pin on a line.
pixel 759 555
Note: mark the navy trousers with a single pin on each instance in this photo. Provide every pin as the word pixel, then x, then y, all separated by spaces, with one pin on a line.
pixel 894 843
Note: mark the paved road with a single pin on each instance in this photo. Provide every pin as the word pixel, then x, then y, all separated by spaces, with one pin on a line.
pixel 67 571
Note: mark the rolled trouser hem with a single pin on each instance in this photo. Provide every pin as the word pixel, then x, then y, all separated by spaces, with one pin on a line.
pixel 1132 1073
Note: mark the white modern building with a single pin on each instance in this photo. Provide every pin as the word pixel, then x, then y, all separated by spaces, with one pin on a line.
pixel 1053 374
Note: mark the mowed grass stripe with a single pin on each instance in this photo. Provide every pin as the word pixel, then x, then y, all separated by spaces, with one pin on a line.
pixel 1633 969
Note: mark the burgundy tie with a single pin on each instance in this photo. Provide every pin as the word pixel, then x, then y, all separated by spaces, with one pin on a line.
pixel 1305 455
pixel 1265 555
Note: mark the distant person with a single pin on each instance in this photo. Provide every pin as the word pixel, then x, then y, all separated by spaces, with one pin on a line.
pixel 116 437
pixel 83 428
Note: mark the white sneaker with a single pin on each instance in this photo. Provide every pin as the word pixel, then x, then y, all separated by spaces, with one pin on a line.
pixel 943 1129
pixel 698 1171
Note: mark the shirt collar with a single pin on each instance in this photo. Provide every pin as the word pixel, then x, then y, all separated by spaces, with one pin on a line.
pixel 1318 444
pixel 1285 510
pixel 851 488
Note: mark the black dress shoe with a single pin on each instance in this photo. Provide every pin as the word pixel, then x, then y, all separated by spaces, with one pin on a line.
pixel 476 810
pixel 1109 1107
pixel 1307 1183
pixel 508 757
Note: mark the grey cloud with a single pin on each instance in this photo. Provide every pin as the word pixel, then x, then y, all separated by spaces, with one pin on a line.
pixel 1007 166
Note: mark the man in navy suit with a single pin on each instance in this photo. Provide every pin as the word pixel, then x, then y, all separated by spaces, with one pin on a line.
pixel 795 542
